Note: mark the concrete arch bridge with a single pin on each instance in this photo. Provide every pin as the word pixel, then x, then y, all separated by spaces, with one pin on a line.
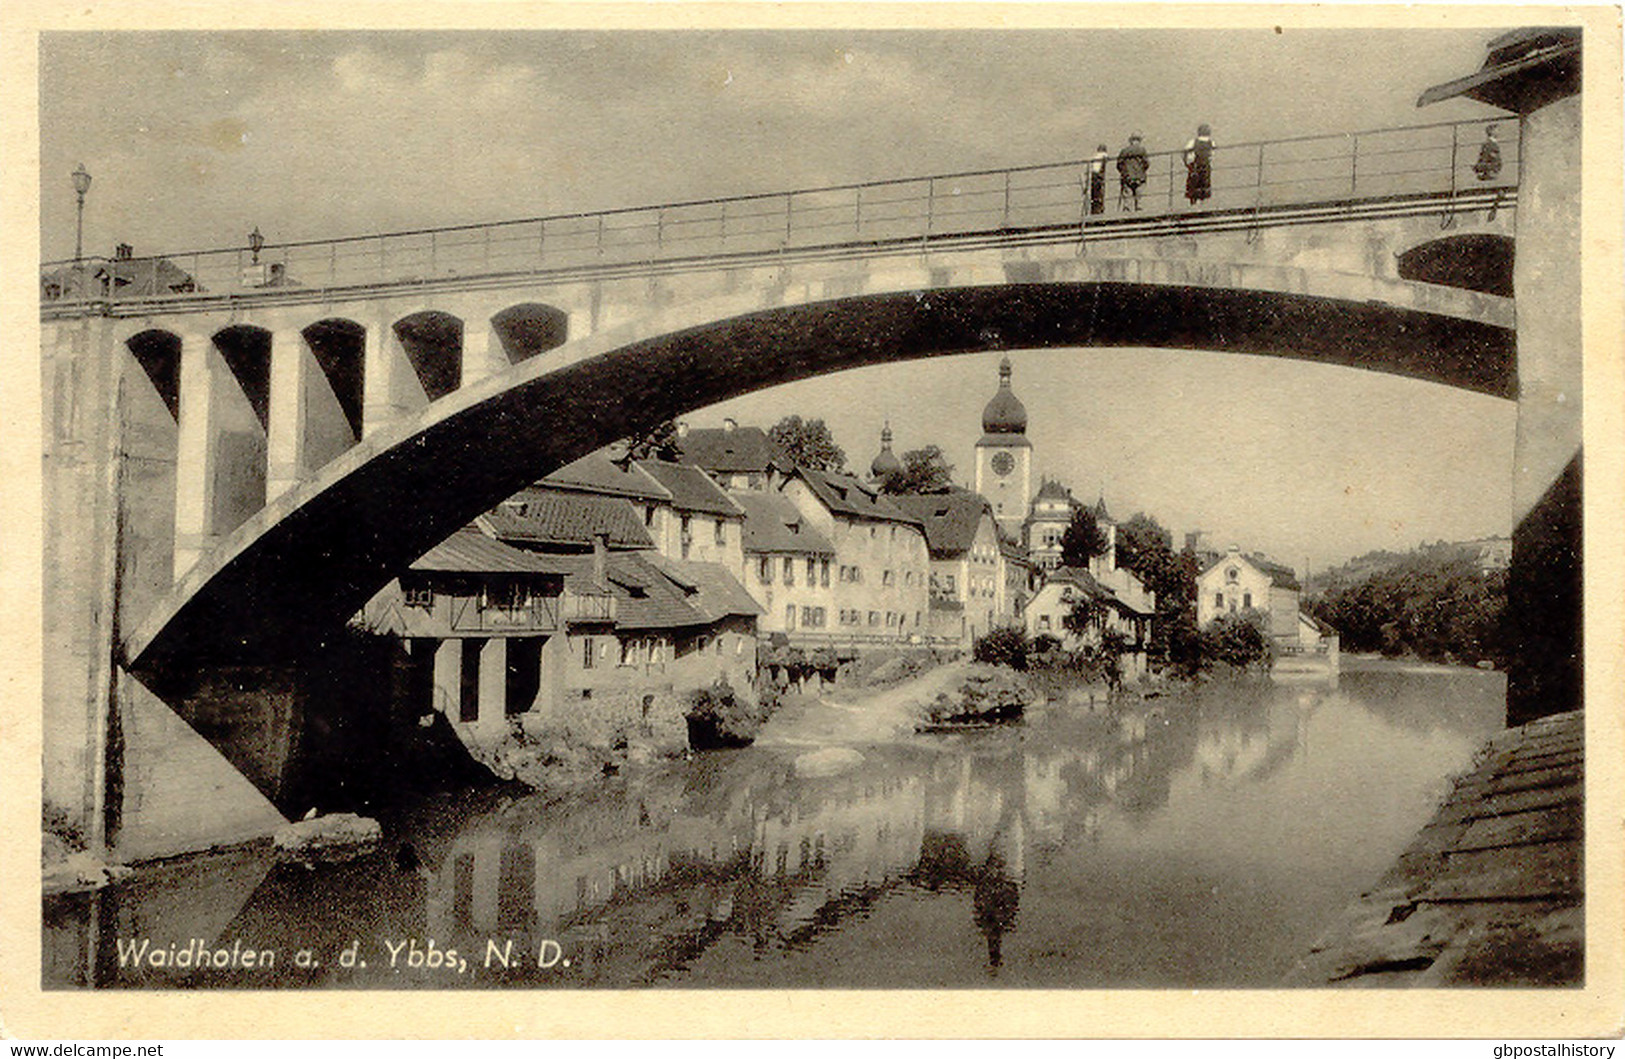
pixel 238 462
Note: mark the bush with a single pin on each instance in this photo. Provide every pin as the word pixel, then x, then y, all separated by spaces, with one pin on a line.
pixel 718 718
pixel 1002 647
pixel 1236 640
pixel 1044 644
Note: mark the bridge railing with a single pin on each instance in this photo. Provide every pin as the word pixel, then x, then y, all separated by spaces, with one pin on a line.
pixel 1417 159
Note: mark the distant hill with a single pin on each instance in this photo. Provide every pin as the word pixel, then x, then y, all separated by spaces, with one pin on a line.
pixel 1488 553
pixel 1443 601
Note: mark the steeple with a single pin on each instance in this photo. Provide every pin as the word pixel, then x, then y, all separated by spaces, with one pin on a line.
pixel 1004 414
pixel 885 464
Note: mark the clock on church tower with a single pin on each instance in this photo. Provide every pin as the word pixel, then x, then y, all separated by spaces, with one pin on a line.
pixel 1004 456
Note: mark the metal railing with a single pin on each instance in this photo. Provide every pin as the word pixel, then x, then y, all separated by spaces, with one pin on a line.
pixel 1410 160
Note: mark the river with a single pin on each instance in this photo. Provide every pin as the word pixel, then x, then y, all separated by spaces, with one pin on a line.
pixel 1202 838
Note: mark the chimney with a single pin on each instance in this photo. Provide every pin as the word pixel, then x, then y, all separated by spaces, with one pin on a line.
pixel 600 558
pixel 124 252
pixel 729 426
pixel 682 428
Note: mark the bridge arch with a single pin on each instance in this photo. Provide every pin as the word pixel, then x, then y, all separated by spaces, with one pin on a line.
pixel 314 555
pixel 529 329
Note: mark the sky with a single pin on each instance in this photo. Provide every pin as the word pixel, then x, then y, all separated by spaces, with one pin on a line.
pixel 193 139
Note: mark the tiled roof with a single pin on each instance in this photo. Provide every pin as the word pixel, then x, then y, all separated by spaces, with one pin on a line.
pixel 547 516
pixel 845 495
pixel 470 551
pixel 716 594
pixel 1280 576
pixel 950 519
pixel 1050 489
pixel 741 449
pixel 774 524
pixel 598 473
pixel 690 488
pixel 1081 578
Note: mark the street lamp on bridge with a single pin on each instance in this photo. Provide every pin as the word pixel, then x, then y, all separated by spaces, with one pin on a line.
pixel 256 242
pixel 81 184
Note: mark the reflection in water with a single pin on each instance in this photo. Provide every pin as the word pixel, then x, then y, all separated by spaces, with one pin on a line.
pixel 1162 842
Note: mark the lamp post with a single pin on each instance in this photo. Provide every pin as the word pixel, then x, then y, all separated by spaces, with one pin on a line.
pixel 256 241
pixel 81 184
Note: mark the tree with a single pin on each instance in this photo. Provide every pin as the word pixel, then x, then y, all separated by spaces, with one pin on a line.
pixel 1086 613
pixel 924 471
pixel 808 443
pixel 659 442
pixel 1002 647
pixel 1236 640
pixel 1145 548
pixel 1083 539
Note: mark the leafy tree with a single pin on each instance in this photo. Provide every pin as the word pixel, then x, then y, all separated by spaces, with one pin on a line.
pixel 1002 647
pixel 1083 539
pixel 659 442
pixel 808 443
pixel 924 471
pixel 1146 548
pixel 1433 603
pixel 1236 640
pixel 1086 613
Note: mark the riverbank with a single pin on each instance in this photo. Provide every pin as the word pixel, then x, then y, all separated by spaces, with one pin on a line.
pixel 1490 892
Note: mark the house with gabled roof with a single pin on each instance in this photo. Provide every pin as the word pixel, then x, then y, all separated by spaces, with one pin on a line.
pixel 685 513
pixel 1235 583
pixel 736 457
pixel 882 566
pixel 968 591
pixel 554 608
pixel 788 565
pixel 1128 615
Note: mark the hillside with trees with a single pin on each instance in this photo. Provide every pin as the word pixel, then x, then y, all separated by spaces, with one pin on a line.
pixel 1434 603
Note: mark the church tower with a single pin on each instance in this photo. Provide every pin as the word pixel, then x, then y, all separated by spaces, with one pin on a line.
pixel 886 463
pixel 1004 457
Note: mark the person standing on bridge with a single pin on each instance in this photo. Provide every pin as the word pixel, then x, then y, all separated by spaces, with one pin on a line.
pixel 1488 166
pixel 1097 180
pixel 1132 166
pixel 1199 165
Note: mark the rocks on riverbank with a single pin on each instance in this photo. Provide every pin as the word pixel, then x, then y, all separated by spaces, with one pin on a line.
pixel 983 694
pixel 66 870
pixel 329 839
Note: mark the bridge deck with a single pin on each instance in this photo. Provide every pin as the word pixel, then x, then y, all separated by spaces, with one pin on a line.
pixel 1491 891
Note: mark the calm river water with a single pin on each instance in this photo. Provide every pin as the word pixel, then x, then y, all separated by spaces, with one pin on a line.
pixel 1203 839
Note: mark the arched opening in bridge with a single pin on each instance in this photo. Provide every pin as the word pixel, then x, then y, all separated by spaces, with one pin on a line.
pixel 150 437
pixel 433 343
pixel 333 398
pixel 1472 261
pixel 530 329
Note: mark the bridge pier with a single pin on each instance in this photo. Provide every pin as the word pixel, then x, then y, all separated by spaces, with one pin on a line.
pixel 391 389
pixel 1544 583
pixel 196 452
pixel 285 445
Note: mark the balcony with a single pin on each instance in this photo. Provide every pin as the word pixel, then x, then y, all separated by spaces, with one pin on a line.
pixel 586 609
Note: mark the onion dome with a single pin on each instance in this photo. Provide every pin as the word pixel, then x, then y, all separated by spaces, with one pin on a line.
pixel 1004 414
pixel 885 464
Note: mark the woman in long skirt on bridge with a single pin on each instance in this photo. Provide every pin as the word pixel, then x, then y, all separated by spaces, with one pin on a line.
pixel 1199 165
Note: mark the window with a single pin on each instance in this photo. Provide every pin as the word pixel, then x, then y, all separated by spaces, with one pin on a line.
pixel 874 617
pixel 789 570
pixel 586 653
pixel 872 531
pixel 721 536
pixel 812 572
pixel 1231 575
pixel 790 616
pixel 823 572
pixel 894 533
pixel 1246 599
pixel 948 583
pixel 812 617
pixel 649 515
pixel 887 577
pixel 629 653
pixel 916 619
pixel 1218 600
pixel 1043 622
pixel 419 597
pixel 686 534
pixel 764 569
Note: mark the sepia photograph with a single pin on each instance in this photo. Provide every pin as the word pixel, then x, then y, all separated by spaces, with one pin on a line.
pixel 603 508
